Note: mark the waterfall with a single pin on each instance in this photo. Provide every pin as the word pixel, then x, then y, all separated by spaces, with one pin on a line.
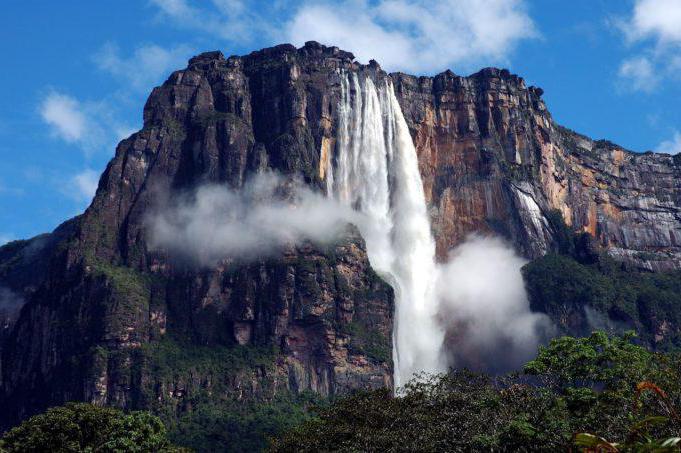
pixel 376 172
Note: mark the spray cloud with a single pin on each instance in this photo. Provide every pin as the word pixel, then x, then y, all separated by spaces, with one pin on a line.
pixel 484 305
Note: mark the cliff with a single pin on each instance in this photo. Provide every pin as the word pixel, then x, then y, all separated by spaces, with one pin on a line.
pixel 493 160
pixel 106 318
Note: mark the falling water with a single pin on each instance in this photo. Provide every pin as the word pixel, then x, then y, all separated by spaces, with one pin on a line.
pixel 376 172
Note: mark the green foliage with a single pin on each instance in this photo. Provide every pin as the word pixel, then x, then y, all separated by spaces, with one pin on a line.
pixel 597 378
pixel 593 392
pixel 461 411
pixel 128 283
pixel 219 418
pixel 131 292
pixel 176 358
pixel 556 279
pixel 182 363
pixel 215 116
pixel 365 340
pixel 587 385
pixel 642 433
pixel 560 285
pixel 590 442
pixel 214 398
pixel 566 284
pixel 82 427
pixel 241 426
pixel 598 360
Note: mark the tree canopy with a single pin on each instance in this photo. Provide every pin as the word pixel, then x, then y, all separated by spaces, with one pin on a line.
pixel 595 386
pixel 83 427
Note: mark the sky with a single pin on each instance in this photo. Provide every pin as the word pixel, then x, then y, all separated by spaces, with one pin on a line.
pixel 75 78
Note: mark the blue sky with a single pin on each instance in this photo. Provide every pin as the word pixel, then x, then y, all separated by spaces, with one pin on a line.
pixel 75 77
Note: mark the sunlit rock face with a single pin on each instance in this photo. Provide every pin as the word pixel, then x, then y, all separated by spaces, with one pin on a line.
pixel 493 160
pixel 100 306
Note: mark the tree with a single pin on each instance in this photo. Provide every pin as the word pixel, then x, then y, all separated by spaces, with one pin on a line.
pixel 597 386
pixel 597 361
pixel 83 427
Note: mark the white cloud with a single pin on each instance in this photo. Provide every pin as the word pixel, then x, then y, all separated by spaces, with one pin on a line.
pixel 639 74
pixel 654 26
pixel 84 185
pixel 93 126
pixel 231 20
pixel 147 66
pixel 97 126
pixel 216 223
pixel 65 116
pixel 79 187
pixel 415 35
pixel 491 324
pixel 656 19
pixel 408 35
pixel 672 146
pixel 5 238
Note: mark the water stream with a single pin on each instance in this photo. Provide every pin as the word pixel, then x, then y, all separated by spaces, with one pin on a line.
pixel 375 171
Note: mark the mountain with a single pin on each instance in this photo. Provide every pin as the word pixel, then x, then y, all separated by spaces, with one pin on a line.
pixel 94 312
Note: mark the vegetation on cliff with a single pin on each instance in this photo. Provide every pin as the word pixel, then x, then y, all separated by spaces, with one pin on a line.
pixel 221 397
pixel 583 289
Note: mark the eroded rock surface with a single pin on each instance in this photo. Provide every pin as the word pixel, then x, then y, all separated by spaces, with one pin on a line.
pixel 493 160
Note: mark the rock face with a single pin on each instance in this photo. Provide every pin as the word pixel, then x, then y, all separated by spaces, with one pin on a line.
pixel 493 160
pixel 103 312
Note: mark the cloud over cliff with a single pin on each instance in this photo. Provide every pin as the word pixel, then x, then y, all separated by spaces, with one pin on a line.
pixel 404 35
pixel 418 36
pixel 215 222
